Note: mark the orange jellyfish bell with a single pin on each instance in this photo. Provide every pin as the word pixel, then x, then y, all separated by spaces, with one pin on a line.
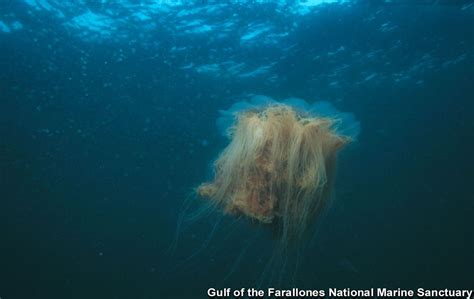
pixel 278 167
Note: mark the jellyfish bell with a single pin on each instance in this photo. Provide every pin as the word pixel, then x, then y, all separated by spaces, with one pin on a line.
pixel 279 166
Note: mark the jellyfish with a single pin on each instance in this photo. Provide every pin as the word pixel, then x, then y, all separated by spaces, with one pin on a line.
pixel 279 166
pixel 276 174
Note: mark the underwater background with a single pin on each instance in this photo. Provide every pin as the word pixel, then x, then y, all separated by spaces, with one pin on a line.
pixel 108 123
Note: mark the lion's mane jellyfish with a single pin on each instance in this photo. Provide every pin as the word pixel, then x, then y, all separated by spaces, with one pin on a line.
pixel 279 166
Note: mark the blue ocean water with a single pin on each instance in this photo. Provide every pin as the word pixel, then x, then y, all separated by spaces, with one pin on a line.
pixel 108 116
